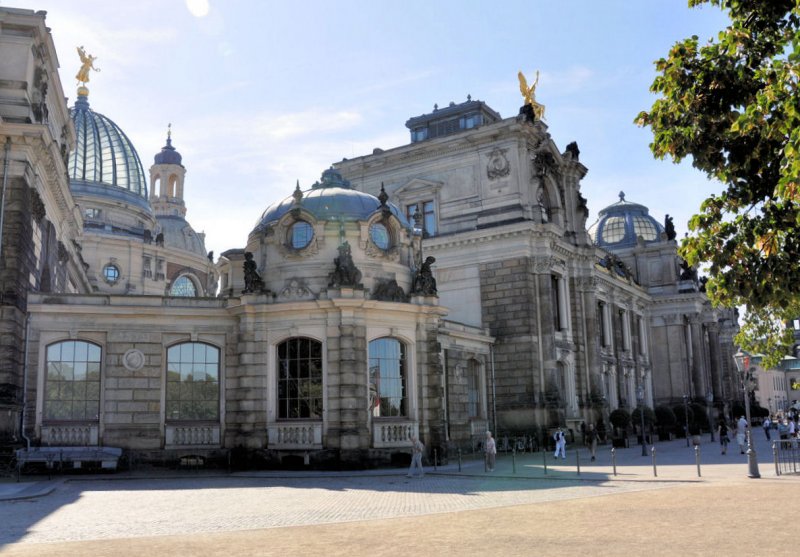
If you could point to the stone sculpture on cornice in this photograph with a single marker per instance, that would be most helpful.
(529, 96)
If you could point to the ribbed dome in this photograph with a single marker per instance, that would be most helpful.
(330, 199)
(179, 234)
(168, 154)
(103, 154)
(619, 225)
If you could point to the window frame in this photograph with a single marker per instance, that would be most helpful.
(70, 385)
(400, 379)
(315, 405)
(182, 386)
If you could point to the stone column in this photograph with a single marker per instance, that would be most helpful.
(714, 359)
(697, 361)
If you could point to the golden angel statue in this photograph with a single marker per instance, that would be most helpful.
(529, 94)
(87, 63)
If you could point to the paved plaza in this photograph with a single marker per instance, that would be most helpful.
(288, 513)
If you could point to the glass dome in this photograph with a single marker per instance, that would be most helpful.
(103, 154)
(620, 224)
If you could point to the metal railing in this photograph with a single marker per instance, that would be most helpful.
(786, 453)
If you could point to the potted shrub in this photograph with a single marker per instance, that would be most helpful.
(649, 420)
(620, 418)
(666, 420)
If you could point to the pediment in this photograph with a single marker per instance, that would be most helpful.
(418, 186)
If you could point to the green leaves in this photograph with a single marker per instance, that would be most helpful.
(733, 105)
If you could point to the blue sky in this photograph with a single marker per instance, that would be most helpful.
(262, 94)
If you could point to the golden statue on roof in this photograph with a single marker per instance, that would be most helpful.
(529, 94)
(87, 63)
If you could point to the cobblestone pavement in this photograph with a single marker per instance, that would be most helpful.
(103, 509)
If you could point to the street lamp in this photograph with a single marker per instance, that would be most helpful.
(686, 416)
(640, 396)
(742, 362)
(710, 411)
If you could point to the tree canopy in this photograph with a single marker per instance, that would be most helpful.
(732, 106)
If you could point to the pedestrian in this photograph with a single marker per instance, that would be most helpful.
(591, 440)
(741, 433)
(417, 449)
(792, 429)
(722, 432)
(561, 443)
(583, 433)
(491, 451)
(766, 425)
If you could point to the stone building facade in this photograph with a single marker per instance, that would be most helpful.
(439, 289)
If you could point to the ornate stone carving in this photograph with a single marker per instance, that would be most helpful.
(252, 280)
(345, 273)
(616, 265)
(424, 283)
(295, 289)
(133, 359)
(572, 152)
(498, 166)
(544, 264)
(545, 163)
(388, 291)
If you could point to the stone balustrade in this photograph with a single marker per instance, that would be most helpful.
(70, 435)
(295, 435)
(393, 433)
(199, 435)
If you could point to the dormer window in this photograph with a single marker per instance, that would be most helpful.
(300, 234)
(379, 235)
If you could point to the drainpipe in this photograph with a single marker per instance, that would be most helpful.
(494, 391)
(3, 193)
(25, 381)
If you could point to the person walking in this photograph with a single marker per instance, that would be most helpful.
(741, 433)
(561, 444)
(722, 432)
(767, 424)
(417, 449)
(591, 440)
(490, 447)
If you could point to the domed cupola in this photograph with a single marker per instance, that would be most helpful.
(332, 198)
(103, 157)
(168, 154)
(619, 225)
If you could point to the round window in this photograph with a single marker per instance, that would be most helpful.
(301, 234)
(379, 235)
(111, 273)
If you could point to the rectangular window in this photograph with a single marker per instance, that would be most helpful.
(300, 379)
(555, 302)
(387, 378)
(428, 217)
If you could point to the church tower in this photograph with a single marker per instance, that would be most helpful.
(166, 181)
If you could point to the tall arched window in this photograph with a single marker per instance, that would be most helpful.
(300, 379)
(192, 382)
(72, 390)
(387, 377)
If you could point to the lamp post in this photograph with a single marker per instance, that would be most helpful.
(742, 362)
(686, 416)
(710, 411)
(640, 396)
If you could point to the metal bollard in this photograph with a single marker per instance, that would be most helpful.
(459, 459)
(435, 459)
(514, 461)
(653, 452)
(775, 458)
(578, 461)
(697, 458)
(544, 461)
(614, 459)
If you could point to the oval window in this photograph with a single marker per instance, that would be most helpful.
(379, 235)
(111, 273)
(301, 234)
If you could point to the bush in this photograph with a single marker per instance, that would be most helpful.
(649, 416)
(620, 418)
(680, 417)
(700, 415)
(665, 417)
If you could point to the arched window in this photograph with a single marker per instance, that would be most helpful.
(387, 377)
(72, 390)
(183, 286)
(379, 235)
(192, 382)
(300, 379)
(473, 389)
